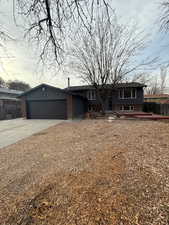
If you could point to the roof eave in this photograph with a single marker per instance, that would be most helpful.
(85, 88)
(41, 85)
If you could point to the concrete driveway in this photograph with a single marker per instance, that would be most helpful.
(14, 130)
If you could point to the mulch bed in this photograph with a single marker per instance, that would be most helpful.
(98, 172)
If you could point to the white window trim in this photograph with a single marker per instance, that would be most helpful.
(131, 94)
(130, 106)
(90, 95)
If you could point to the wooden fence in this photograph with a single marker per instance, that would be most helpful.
(10, 109)
(157, 108)
(164, 109)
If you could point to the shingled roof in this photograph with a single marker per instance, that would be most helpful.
(10, 91)
(120, 85)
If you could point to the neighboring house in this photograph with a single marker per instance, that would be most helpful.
(10, 105)
(160, 98)
(47, 102)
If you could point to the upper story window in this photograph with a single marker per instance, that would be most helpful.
(91, 95)
(127, 93)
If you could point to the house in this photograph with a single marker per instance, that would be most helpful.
(10, 105)
(158, 98)
(48, 102)
(124, 97)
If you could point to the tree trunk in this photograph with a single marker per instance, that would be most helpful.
(101, 97)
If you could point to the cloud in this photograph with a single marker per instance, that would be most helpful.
(142, 11)
(24, 64)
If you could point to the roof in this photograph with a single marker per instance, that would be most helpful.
(120, 85)
(157, 96)
(39, 86)
(49, 86)
(9, 98)
(10, 91)
(76, 88)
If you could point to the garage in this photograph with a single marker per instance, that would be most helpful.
(48, 102)
(44, 102)
(49, 109)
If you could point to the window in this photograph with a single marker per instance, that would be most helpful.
(126, 107)
(89, 108)
(127, 93)
(91, 95)
(121, 108)
(132, 108)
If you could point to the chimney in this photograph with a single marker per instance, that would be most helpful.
(68, 81)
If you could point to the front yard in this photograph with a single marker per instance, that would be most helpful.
(92, 172)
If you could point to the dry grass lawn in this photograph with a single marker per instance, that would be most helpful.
(92, 172)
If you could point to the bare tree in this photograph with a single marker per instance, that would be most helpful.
(4, 38)
(109, 55)
(163, 79)
(165, 15)
(157, 84)
(50, 22)
(153, 87)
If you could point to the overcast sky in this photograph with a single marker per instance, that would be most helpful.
(22, 61)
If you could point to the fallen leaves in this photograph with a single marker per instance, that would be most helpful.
(91, 173)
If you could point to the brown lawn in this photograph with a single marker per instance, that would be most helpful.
(92, 172)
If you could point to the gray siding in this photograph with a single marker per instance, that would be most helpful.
(46, 93)
(138, 100)
(82, 93)
(45, 102)
(115, 97)
(79, 107)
